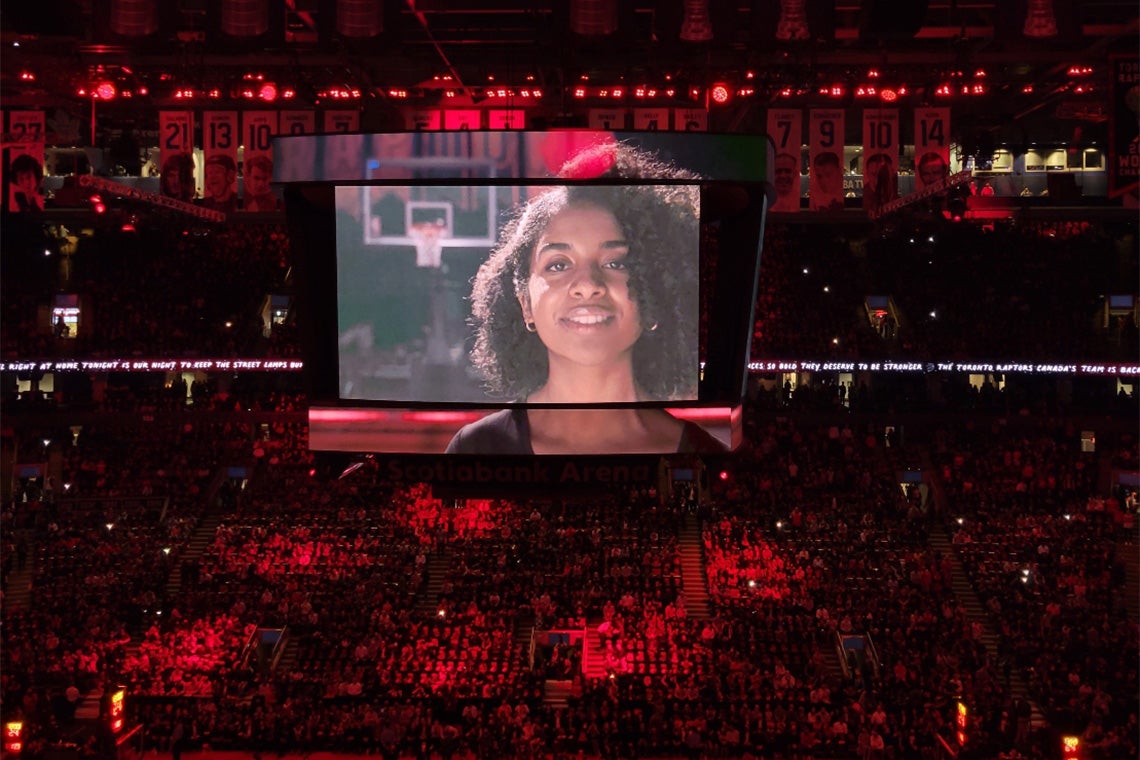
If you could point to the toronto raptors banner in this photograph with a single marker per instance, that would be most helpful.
(825, 147)
(931, 146)
(880, 157)
(785, 128)
(297, 122)
(1124, 127)
(24, 161)
(176, 151)
(342, 121)
(219, 147)
(258, 129)
(607, 119)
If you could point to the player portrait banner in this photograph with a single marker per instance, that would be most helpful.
(296, 122)
(1124, 127)
(342, 121)
(220, 139)
(258, 128)
(931, 146)
(24, 167)
(651, 119)
(690, 120)
(607, 118)
(880, 157)
(785, 128)
(176, 152)
(462, 119)
(506, 118)
(423, 119)
(825, 150)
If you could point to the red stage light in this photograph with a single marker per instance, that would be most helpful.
(579, 92)
(720, 93)
(105, 91)
(268, 92)
(888, 95)
(724, 474)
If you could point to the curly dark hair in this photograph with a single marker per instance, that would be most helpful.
(656, 219)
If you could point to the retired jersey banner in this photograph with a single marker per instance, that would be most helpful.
(297, 122)
(24, 164)
(421, 119)
(825, 149)
(462, 119)
(220, 147)
(342, 121)
(506, 118)
(258, 129)
(690, 120)
(931, 146)
(1124, 127)
(880, 157)
(607, 118)
(176, 151)
(785, 128)
(650, 119)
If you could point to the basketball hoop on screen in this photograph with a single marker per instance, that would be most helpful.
(426, 236)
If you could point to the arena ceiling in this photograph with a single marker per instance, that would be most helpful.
(437, 52)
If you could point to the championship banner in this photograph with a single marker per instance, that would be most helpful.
(785, 128)
(24, 164)
(931, 146)
(176, 151)
(258, 129)
(342, 121)
(220, 139)
(690, 120)
(607, 119)
(880, 157)
(825, 148)
(1124, 127)
(462, 119)
(651, 119)
(297, 122)
(506, 118)
(421, 119)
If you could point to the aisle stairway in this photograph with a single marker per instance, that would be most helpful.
(18, 593)
(1128, 551)
(593, 653)
(438, 565)
(201, 539)
(976, 612)
(693, 580)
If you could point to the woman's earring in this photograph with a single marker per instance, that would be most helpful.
(530, 327)
(652, 327)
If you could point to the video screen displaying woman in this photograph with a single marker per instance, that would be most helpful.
(590, 295)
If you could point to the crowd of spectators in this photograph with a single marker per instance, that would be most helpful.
(810, 541)
(185, 516)
(1041, 547)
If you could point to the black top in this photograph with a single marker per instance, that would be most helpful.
(508, 433)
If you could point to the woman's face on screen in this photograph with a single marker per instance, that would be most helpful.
(578, 290)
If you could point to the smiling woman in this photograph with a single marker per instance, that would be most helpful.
(591, 297)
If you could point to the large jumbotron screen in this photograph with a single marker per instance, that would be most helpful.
(458, 307)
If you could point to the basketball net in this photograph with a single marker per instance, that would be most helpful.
(429, 249)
